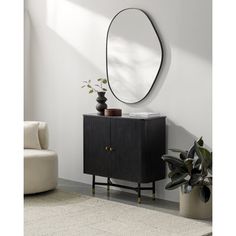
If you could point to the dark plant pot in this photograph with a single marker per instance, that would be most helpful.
(101, 106)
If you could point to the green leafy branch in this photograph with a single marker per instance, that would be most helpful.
(98, 87)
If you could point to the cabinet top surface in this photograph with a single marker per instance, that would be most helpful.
(127, 116)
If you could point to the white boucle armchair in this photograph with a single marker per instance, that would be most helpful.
(40, 164)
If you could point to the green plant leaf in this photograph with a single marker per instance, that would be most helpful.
(172, 173)
(205, 158)
(199, 153)
(171, 166)
(195, 179)
(89, 86)
(83, 86)
(183, 155)
(176, 150)
(192, 150)
(178, 177)
(205, 193)
(104, 89)
(104, 81)
(176, 171)
(197, 163)
(196, 171)
(210, 170)
(200, 142)
(100, 79)
(175, 185)
(209, 180)
(173, 160)
(91, 91)
(189, 164)
(175, 164)
(206, 183)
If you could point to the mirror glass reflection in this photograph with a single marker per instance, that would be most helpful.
(134, 55)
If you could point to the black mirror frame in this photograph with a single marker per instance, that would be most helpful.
(162, 54)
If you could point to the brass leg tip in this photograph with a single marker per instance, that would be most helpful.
(153, 197)
(139, 200)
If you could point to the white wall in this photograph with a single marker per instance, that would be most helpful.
(27, 80)
(68, 46)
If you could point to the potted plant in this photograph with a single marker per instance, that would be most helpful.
(192, 171)
(100, 90)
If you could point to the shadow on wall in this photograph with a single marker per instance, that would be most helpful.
(178, 137)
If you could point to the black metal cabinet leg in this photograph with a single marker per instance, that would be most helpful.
(138, 189)
(93, 185)
(153, 190)
(108, 185)
(139, 193)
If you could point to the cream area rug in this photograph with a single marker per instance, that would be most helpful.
(61, 213)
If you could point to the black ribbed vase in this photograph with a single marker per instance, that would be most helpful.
(101, 106)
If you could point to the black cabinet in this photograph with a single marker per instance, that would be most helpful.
(125, 148)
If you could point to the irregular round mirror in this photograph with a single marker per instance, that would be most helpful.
(133, 55)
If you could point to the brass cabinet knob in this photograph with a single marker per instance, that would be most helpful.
(108, 149)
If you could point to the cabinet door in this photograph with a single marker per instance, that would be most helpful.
(126, 141)
(96, 138)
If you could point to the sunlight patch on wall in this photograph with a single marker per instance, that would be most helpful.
(72, 22)
(132, 68)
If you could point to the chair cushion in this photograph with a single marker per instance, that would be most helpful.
(34, 153)
(31, 137)
(40, 170)
(43, 134)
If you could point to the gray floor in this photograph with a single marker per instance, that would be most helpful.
(119, 196)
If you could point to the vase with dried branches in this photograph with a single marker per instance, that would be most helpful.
(98, 88)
